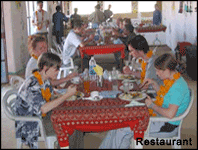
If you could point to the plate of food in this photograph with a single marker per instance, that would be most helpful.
(132, 96)
(125, 76)
(77, 96)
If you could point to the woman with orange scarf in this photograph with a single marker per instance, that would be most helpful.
(35, 98)
(138, 47)
(172, 100)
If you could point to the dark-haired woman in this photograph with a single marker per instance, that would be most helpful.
(34, 98)
(138, 48)
(172, 100)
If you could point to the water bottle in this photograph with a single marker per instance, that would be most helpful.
(92, 73)
(114, 79)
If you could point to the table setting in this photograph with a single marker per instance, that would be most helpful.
(100, 108)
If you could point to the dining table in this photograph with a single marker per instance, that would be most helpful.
(102, 49)
(98, 116)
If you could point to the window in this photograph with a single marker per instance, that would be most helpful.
(118, 7)
(84, 8)
(145, 6)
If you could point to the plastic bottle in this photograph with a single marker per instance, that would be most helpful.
(92, 73)
(114, 80)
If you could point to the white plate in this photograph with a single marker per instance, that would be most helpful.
(129, 97)
(75, 80)
(74, 97)
(92, 99)
(130, 87)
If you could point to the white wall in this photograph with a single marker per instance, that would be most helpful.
(179, 23)
(16, 36)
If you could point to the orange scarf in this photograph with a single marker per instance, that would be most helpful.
(163, 91)
(143, 65)
(39, 27)
(45, 93)
(36, 57)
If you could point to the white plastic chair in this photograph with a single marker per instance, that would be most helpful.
(16, 81)
(7, 101)
(164, 119)
(65, 67)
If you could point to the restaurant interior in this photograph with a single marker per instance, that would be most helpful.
(179, 26)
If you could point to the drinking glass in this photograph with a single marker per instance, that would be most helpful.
(86, 84)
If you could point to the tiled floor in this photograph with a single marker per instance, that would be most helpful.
(92, 141)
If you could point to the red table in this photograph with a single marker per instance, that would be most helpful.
(99, 116)
(103, 49)
(150, 29)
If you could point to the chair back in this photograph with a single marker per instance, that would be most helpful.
(190, 104)
(7, 102)
(16, 81)
(182, 49)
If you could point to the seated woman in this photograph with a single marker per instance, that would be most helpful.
(172, 99)
(35, 98)
(37, 45)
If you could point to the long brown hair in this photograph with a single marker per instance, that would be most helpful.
(168, 61)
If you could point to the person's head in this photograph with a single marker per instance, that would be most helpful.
(50, 64)
(40, 5)
(126, 21)
(165, 65)
(77, 26)
(128, 28)
(58, 8)
(138, 46)
(37, 45)
(109, 7)
(75, 10)
(118, 21)
(97, 6)
(156, 7)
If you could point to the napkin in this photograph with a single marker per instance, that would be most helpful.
(109, 94)
(134, 103)
(99, 70)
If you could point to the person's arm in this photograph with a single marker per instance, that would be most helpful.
(91, 37)
(54, 103)
(33, 20)
(65, 18)
(148, 81)
(136, 73)
(160, 18)
(62, 80)
(169, 112)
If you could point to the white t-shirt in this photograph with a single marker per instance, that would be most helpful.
(45, 18)
(71, 43)
(31, 65)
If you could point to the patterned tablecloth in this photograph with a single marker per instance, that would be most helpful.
(98, 116)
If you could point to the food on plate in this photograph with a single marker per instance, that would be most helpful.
(129, 77)
(78, 95)
(131, 95)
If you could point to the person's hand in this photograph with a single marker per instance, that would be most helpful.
(148, 101)
(72, 75)
(91, 37)
(71, 90)
(126, 70)
(148, 82)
